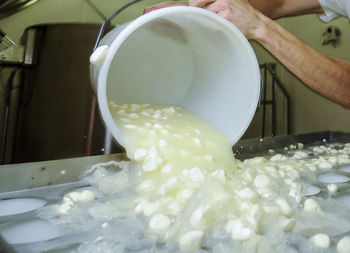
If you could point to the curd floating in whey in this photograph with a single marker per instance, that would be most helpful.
(183, 190)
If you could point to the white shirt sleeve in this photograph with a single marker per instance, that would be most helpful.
(334, 8)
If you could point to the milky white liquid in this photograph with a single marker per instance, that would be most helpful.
(182, 139)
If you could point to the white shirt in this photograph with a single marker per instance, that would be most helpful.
(334, 8)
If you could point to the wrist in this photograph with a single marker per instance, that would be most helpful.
(260, 32)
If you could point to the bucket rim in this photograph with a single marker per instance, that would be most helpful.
(144, 19)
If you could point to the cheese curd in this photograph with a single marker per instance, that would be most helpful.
(321, 240)
(343, 245)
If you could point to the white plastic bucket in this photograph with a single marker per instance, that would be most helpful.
(183, 56)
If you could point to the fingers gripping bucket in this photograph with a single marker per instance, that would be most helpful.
(182, 56)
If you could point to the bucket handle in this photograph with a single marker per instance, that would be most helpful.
(109, 19)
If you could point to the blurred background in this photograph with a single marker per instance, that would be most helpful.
(47, 106)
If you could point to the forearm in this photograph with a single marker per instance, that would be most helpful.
(284, 8)
(328, 76)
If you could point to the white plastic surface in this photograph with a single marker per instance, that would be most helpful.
(30, 231)
(184, 56)
(20, 205)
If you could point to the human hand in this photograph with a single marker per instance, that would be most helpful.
(239, 12)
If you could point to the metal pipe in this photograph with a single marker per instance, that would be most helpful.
(274, 123)
(14, 83)
(264, 101)
(270, 68)
(3, 115)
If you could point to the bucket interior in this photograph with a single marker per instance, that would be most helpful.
(193, 58)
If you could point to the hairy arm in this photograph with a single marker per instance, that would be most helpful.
(284, 8)
(326, 75)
